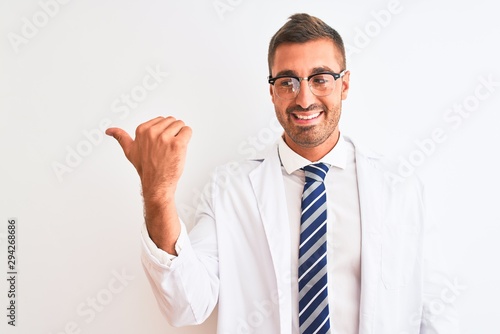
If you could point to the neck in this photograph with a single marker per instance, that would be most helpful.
(317, 152)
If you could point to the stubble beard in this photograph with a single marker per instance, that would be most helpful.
(314, 135)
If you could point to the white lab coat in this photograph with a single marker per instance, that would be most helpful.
(238, 255)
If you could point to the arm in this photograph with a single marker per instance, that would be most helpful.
(186, 288)
(158, 154)
(440, 289)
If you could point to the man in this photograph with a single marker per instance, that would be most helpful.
(311, 238)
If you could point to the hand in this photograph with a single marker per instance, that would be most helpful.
(158, 153)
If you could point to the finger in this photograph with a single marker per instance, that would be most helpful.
(122, 137)
(174, 128)
(146, 126)
(185, 134)
(168, 127)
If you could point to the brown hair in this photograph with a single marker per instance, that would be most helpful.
(301, 28)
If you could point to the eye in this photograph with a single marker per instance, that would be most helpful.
(285, 83)
(321, 80)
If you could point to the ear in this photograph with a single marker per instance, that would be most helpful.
(345, 84)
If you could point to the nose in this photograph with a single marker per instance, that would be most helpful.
(305, 97)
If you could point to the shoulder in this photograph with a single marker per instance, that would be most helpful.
(394, 175)
(368, 157)
(244, 167)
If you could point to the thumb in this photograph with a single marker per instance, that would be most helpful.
(122, 137)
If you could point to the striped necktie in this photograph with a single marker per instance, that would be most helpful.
(314, 315)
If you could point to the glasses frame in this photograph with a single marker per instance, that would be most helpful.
(336, 76)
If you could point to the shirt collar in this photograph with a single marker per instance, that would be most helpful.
(292, 161)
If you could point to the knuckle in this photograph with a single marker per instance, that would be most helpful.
(178, 145)
(139, 131)
(150, 132)
(165, 137)
(180, 123)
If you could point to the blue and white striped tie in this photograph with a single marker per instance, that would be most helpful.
(314, 315)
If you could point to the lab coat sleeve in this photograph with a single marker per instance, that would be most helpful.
(186, 287)
(158, 253)
(440, 289)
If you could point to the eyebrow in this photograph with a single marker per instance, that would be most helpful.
(287, 73)
(314, 71)
(322, 69)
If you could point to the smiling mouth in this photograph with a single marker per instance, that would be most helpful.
(307, 117)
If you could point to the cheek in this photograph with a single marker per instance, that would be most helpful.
(280, 106)
(280, 112)
(331, 102)
(326, 102)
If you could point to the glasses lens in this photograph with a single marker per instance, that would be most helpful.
(322, 84)
(287, 88)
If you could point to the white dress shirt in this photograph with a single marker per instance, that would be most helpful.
(343, 231)
(343, 238)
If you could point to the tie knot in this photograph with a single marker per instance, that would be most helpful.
(316, 172)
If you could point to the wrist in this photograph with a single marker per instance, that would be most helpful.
(158, 195)
(163, 239)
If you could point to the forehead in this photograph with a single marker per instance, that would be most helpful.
(302, 58)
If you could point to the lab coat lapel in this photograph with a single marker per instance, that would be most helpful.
(268, 186)
(371, 199)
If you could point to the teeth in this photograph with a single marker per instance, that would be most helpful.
(307, 117)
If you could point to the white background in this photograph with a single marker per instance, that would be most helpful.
(79, 227)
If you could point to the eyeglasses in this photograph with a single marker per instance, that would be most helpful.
(321, 84)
